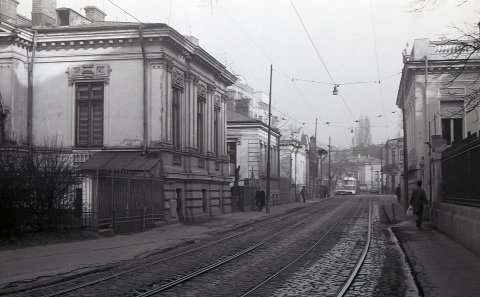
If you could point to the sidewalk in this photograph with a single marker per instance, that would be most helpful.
(441, 266)
(78, 257)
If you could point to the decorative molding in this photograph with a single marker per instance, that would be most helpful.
(178, 79)
(195, 79)
(217, 101)
(169, 65)
(89, 71)
(211, 89)
(202, 91)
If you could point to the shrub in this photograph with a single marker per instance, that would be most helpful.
(36, 189)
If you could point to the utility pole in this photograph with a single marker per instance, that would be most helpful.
(315, 158)
(329, 167)
(267, 208)
(426, 137)
(381, 168)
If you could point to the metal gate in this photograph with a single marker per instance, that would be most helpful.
(129, 204)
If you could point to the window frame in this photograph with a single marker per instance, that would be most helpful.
(201, 124)
(216, 130)
(176, 123)
(90, 102)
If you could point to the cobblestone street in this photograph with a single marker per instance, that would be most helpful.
(331, 234)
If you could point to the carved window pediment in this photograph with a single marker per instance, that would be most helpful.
(89, 72)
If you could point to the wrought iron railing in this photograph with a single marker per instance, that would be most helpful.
(461, 172)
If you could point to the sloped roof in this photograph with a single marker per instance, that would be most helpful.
(120, 161)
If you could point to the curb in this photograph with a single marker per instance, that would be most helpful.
(415, 270)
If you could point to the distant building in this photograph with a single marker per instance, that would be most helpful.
(393, 166)
(247, 140)
(293, 168)
(243, 99)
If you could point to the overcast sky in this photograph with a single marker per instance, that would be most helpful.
(351, 36)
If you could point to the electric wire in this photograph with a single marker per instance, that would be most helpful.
(372, 18)
(320, 57)
(280, 71)
(276, 66)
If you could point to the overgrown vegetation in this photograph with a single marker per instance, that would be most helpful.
(37, 190)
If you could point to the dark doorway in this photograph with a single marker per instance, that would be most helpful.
(179, 205)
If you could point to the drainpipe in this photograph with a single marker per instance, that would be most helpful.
(30, 91)
(144, 93)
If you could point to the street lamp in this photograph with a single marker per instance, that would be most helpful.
(335, 89)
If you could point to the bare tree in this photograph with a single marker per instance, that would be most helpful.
(421, 5)
(463, 51)
(363, 135)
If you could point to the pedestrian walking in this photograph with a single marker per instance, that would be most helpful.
(417, 201)
(260, 198)
(303, 193)
(398, 193)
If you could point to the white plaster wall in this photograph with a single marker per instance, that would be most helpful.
(54, 104)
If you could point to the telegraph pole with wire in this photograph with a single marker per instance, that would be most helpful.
(267, 208)
(315, 158)
(329, 167)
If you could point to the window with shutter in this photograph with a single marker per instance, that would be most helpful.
(89, 114)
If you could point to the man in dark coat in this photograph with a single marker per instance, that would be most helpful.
(260, 198)
(417, 201)
(303, 193)
(398, 193)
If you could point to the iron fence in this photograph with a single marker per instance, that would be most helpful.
(461, 172)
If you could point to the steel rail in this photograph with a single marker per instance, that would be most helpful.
(118, 274)
(296, 259)
(216, 264)
(343, 290)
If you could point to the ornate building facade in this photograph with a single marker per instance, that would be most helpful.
(125, 99)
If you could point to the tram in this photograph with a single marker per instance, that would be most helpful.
(349, 186)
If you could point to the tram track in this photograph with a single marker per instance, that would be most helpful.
(344, 288)
(160, 289)
(98, 280)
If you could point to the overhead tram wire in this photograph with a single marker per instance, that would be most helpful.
(126, 12)
(347, 83)
(320, 57)
(376, 60)
(253, 42)
(276, 68)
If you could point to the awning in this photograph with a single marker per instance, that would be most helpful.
(120, 161)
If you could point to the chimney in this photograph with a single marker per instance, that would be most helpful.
(8, 11)
(44, 13)
(94, 14)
